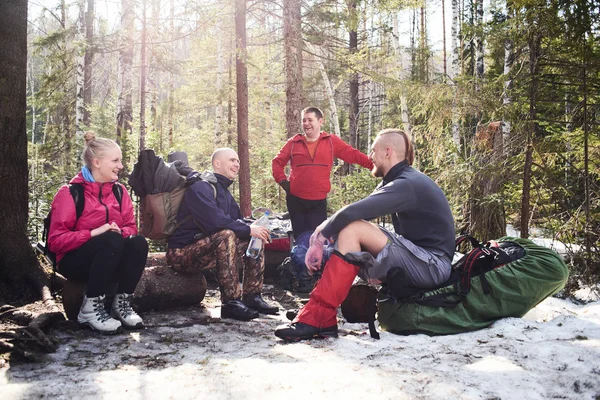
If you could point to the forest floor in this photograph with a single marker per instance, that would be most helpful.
(190, 353)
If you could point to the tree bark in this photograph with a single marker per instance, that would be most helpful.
(478, 73)
(401, 75)
(353, 84)
(534, 43)
(444, 40)
(171, 110)
(143, 80)
(80, 71)
(292, 37)
(88, 75)
(125, 103)
(153, 77)
(21, 278)
(221, 37)
(241, 73)
(456, 55)
(506, 96)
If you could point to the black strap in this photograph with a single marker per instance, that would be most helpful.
(371, 310)
(76, 190)
(118, 193)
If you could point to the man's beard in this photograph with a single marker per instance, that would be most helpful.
(376, 172)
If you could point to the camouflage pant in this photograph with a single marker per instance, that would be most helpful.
(227, 254)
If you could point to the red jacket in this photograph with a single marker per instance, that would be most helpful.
(67, 233)
(309, 177)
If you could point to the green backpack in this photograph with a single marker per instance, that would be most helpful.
(487, 284)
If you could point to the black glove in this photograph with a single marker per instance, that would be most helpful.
(285, 184)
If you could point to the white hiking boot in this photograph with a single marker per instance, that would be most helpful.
(122, 310)
(93, 314)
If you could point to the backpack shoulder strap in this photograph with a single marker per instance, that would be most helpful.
(76, 190)
(212, 184)
(118, 192)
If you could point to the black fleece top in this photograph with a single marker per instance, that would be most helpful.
(201, 212)
(420, 211)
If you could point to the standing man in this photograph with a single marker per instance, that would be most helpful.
(420, 248)
(211, 234)
(311, 156)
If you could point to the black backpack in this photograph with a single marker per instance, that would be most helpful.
(76, 190)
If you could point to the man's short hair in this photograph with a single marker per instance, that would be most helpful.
(409, 154)
(218, 151)
(311, 109)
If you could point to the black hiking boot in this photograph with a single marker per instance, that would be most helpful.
(235, 309)
(257, 303)
(291, 314)
(297, 331)
(304, 286)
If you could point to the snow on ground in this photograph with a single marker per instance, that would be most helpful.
(552, 352)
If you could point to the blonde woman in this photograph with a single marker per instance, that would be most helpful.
(102, 245)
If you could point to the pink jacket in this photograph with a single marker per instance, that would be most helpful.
(67, 233)
(309, 177)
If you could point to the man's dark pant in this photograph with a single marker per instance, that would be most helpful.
(305, 215)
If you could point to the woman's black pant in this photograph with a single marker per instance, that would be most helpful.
(105, 259)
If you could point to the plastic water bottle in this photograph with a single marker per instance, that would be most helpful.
(256, 244)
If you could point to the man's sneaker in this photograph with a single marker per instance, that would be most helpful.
(122, 310)
(236, 309)
(297, 331)
(93, 314)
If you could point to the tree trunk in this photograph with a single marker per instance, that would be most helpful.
(125, 103)
(80, 71)
(292, 37)
(486, 215)
(401, 75)
(88, 61)
(424, 62)
(171, 110)
(221, 37)
(506, 97)
(153, 77)
(143, 69)
(455, 73)
(444, 40)
(230, 98)
(354, 108)
(534, 43)
(353, 84)
(241, 73)
(19, 270)
(478, 73)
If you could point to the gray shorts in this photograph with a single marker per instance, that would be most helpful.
(424, 268)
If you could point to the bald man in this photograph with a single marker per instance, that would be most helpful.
(212, 234)
(420, 248)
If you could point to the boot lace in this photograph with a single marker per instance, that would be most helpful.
(100, 310)
(124, 307)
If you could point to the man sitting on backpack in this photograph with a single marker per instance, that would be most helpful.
(421, 247)
(211, 234)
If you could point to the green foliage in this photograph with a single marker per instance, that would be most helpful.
(346, 189)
